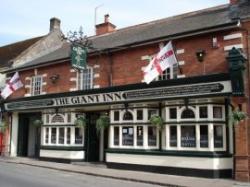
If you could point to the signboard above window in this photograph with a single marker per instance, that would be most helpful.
(78, 57)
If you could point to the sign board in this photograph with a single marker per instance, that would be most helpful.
(139, 95)
(78, 57)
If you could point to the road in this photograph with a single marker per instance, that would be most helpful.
(17, 175)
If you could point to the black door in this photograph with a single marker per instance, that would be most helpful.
(24, 124)
(92, 138)
(23, 135)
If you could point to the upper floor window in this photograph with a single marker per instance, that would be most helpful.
(36, 85)
(169, 73)
(85, 79)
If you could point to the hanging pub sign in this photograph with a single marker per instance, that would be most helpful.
(78, 57)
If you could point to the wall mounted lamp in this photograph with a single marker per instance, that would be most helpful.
(200, 54)
(54, 78)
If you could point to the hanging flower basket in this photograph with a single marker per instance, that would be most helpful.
(37, 122)
(80, 122)
(237, 116)
(157, 121)
(102, 122)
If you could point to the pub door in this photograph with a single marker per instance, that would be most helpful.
(92, 138)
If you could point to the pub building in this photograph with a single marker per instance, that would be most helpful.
(195, 99)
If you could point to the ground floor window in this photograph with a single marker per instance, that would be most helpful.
(63, 136)
(196, 136)
(139, 136)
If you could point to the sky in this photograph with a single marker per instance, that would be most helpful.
(24, 19)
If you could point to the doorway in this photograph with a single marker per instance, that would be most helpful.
(92, 138)
(28, 135)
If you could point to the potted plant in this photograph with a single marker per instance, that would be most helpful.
(237, 116)
(102, 123)
(80, 121)
(37, 122)
(157, 121)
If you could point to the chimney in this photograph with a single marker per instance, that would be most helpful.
(54, 24)
(105, 27)
(233, 2)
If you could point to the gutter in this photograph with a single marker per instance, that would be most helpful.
(202, 31)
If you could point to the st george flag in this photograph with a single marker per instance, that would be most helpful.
(164, 59)
(13, 85)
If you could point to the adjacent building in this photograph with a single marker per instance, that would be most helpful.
(195, 98)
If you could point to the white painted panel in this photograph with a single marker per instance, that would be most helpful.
(180, 51)
(233, 36)
(62, 154)
(229, 47)
(171, 161)
(14, 134)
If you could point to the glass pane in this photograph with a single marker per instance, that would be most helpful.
(47, 135)
(152, 132)
(128, 116)
(61, 136)
(151, 113)
(203, 136)
(173, 136)
(139, 135)
(116, 135)
(78, 135)
(172, 113)
(116, 115)
(187, 114)
(127, 136)
(53, 135)
(203, 112)
(217, 112)
(218, 136)
(139, 114)
(188, 138)
(68, 135)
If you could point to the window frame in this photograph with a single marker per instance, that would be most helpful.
(80, 79)
(33, 85)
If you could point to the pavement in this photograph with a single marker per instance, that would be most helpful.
(135, 176)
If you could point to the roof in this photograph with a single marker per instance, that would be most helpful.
(168, 28)
(11, 51)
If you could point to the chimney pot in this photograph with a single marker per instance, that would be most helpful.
(54, 24)
(106, 18)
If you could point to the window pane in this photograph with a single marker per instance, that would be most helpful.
(188, 138)
(128, 116)
(151, 113)
(53, 135)
(116, 135)
(217, 112)
(218, 136)
(152, 132)
(78, 135)
(172, 113)
(127, 136)
(139, 114)
(187, 114)
(116, 115)
(47, 135)
(36, 85)
(61, 136)
(173, 136)
(140, 135)
(85, 79)
(68, 135)
(203, 136)
(203, 112)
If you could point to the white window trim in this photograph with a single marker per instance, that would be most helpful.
(80, 80)
(32, 85)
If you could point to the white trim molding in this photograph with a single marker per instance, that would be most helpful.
(96, 75)
(181, 63)
(96, 66)
(27, 78)
(237, 46)
(73, 89)
(96, 86)
(180, 51)
(232, 36)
